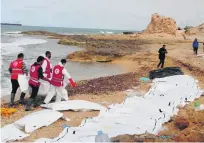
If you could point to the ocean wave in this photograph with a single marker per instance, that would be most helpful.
(15, 47)
(5, 86)
(13, 32)
(23, 42)
(106, 32)
(7, 51)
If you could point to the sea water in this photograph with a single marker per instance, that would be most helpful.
(12, 43)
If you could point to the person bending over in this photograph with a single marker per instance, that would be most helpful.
(36, 73)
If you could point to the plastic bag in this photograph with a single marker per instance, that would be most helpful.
(23, 82)
(168, 71)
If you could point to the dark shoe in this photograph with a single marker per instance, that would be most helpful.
(36, 104)
(22, 101)
(28, 104)
(12, 100)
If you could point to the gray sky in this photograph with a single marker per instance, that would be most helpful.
(103, 14)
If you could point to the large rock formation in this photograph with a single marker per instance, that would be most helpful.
(195, 30)
(161, 24)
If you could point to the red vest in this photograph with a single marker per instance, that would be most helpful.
(57, 77)
(48, 68)
(34, 77)
(16, 67)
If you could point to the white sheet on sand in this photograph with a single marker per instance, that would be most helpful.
(200, 55)
(11, 133)
(37, 120)
(43, 118)
(136, 115)
(75, 105)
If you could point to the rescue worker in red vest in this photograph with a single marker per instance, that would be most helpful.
(16, 68)
(46, 66)
(36, 73)
(57, 83)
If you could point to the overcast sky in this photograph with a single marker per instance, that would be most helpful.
(103, 14)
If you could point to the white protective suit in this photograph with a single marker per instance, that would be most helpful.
(45, 85)
(60, 92)
(44, 65)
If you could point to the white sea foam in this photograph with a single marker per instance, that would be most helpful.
(106, 32)
(15, 47)
(109, 32)
(13, 32)
(5, 88)
(102, 32)
(23, 42)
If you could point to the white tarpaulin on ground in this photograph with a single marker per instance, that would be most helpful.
(37, 120)
(75, 105)
(200, 55)
(136, 115)
(11, 133)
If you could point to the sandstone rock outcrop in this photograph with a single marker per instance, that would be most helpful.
(161, 24)
(195, 30)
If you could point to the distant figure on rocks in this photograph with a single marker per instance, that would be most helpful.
(17, 67)
(46, 66)
(57, 86)
(162, 54)
(195, 46)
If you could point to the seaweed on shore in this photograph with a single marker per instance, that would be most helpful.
(108, 84)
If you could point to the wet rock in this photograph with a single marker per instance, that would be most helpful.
(181, 123)
(128, 32)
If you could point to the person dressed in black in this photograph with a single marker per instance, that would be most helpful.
(36, 73)
(162, 54)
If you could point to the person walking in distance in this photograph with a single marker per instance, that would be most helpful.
(36, 73)
(46, 66)
(17, 67)
(57, 83)
(195, 46)
(162, 54)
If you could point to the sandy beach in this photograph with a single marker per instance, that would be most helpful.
(138, 55)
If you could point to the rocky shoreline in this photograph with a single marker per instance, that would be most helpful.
(105, 48)
(137, 53)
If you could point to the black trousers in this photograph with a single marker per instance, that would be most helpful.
(195, 50)
(15, 85)
(161, 62)
(34, 92)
